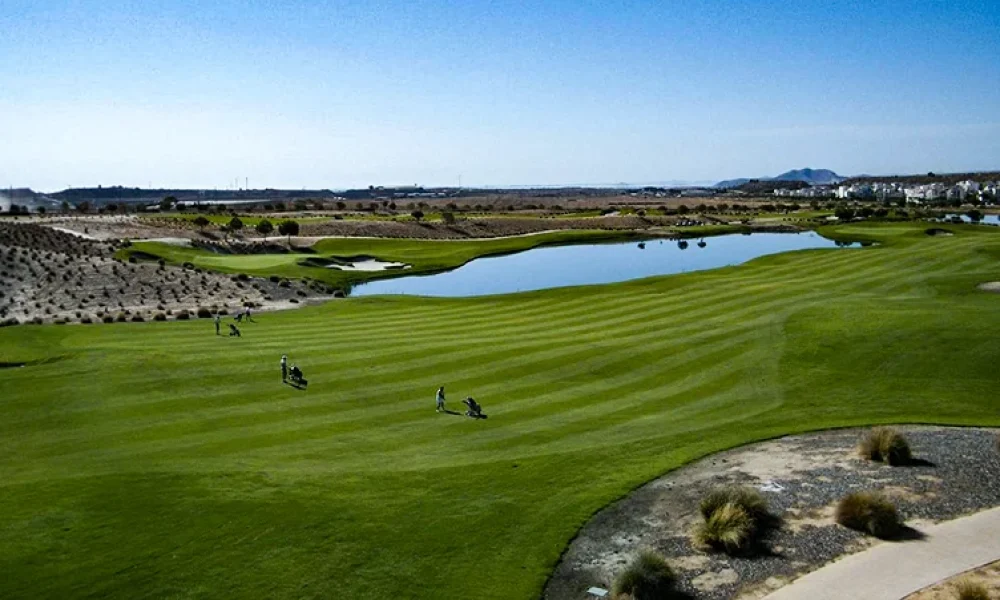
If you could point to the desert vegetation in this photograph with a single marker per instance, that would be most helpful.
(733, 518)
(885, 444)
(52, 276)
(647, 577)
(869, 512)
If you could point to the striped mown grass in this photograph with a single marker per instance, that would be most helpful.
(158, 460)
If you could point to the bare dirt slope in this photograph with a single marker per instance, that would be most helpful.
(52, 276)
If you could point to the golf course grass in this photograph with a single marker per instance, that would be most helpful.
(423, 256)
(156, 460)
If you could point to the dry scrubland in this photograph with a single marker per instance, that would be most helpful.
(51, 276)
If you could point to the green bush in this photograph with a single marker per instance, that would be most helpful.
(183, 315)
(157, 317)
(648, 577)
(967, 589)
(204, 313)
(747, 498)
(729, 528)
(887, 445)
(870, 513)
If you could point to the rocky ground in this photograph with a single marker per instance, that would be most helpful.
(50, 276)
(802, 477)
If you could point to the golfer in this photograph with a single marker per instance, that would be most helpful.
(440, 399)
(284, 368)
(218, 323)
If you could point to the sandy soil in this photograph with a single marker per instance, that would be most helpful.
(370, 265)
(987, 575)
(50, 276)
(802, 477)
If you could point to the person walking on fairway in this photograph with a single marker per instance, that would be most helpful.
(440, 399)
(218, 323)
(284, 368)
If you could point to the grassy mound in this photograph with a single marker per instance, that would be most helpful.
(887, 445)
(870, 513)
(647, 577)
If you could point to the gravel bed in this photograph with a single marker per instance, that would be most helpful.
(957, 472)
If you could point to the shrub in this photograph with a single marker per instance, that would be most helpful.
(121, 318)
(729, 528)
(204, 313)
(274, 279)
(242, 277)
(887, 445)
(86, 320)
(157, 317)
(108, 319)
(747, 498)
(870, 513)
(967, 589)
(183, 315)
(648, 577)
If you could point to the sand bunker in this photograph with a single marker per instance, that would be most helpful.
(78, 234)
(990, 286)
(370, 265)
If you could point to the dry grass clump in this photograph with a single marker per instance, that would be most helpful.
(887, 445)
(648, 577)
(968, 589)
(869, 512)
(733, 516)
(747, 498)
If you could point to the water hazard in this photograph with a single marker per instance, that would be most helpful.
(587, 264)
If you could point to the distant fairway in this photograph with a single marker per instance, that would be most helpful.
(155, 460)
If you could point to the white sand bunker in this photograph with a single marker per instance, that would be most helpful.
(78, 234)
(990, 286)
(370, 264)
(173, 241)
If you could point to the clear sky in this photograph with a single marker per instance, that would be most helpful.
(189, 93)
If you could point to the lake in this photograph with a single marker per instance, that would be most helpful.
(588, 264)
(991, 219)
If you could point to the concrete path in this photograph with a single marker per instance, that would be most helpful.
(892, 570)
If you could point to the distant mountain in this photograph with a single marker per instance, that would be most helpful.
(810, 176)
(732, 183)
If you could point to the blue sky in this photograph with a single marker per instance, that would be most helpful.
(340, 94)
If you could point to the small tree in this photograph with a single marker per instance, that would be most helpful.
(341, 205)
(201, 222)
(288, 228)
(235, 225)
(264, 227)
(417, 215)
(167, 202)
(448, 217)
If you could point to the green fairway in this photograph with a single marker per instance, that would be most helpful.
(156, 460)
(424, 256)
